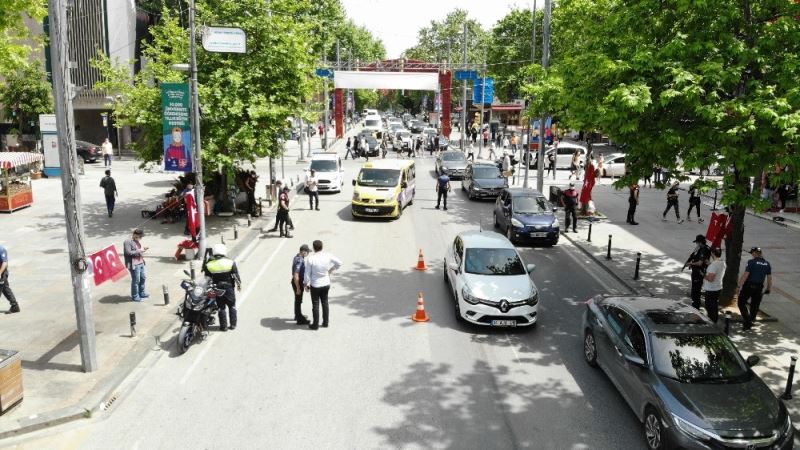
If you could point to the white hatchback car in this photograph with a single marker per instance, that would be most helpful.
(490, 284)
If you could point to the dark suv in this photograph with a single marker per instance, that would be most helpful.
(483, 179)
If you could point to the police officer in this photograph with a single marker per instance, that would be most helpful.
(222, 270)
(5, 289)
(298, 282)
(698, 261)
(442, 188)
(751, 286)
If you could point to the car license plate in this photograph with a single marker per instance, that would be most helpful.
(371, 210)
(538, 235)
(504, 323)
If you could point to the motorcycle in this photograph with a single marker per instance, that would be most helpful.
(197, 311)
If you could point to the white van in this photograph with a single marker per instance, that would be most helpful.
(373, 123)
(328, 169)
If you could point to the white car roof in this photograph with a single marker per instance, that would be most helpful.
(485, 239)
(330, 155)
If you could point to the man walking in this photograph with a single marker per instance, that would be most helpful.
(5, 288)
(224, 273)
(442, 188)
(569, 200)
(298, 283)
(551, 164)
(134, 261)
(349, 152)
(694, 200)
(751, 286)
(633, 201)
(698, 261)
(712, 283)
(283, 212)
(319, 268)
(250, 188)
(110, 190)
(312, 184)
(108, 152)
(672, 202)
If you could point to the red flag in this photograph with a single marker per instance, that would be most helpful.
(717, 227)
(192, 214)
(107, 265)
(588, 184)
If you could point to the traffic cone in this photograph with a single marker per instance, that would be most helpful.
(420, 315)
(421, 262)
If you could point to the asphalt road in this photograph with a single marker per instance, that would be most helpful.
(375, 379)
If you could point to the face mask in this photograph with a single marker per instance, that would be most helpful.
(177, 137)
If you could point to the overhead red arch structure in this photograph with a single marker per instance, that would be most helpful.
(406, 74)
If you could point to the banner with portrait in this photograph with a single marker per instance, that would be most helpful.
(177, 132)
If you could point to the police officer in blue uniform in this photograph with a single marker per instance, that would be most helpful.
(751, 286)
(222, 270)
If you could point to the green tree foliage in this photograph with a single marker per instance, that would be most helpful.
(509, 51)
(16, 42)
(24, 95)
(685, 81)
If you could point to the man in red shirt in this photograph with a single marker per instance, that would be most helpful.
(569, 200)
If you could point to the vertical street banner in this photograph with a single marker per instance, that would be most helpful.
(177, 132)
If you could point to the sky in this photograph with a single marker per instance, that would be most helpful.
(396, 22)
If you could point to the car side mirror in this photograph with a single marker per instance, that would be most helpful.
(354, 182)
(531, 267)
(635, 360)
(454, 267)
(752, 360)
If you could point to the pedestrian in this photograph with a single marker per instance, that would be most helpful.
(783, 195)
(712, 283)
(569, 200)
(633, 202)
(647, 180)
(574, 165)
(492, 154)
(694, 200)
(223, 272)
(349, 152)
(418, 147)
(279, 190)
(471, 153)
(657, 174)
(319, 268)
(108, 152)
(442, 188)
(283, 212)
(474, 133)
(506, 143)
(298, 283)
(551, 164)
(751, 286)
(356, 148)
(364, 147)
(506, 166)
(321, 130)
(134, 261)
(250, 189)
(672, 202)
(698, 261)
(485, 137)
(110, 191)
(436, 143)
(312, 186)
(514, 142)
(5, 288)
(601, 162)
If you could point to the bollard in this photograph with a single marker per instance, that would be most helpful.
(191, 269)
(714, 208)
(222, 239)
(727, 322)
(166, 294)
(638, 261)
(248, 221)
(589, 238)
(235, 233)
(787, 393)
(608, 253)
(132, 318)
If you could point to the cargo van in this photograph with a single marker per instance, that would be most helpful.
(329, 171)
(383, 188)
(373, 123)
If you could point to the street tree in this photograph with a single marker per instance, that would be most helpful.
(24, 95)
(16, 40)
(685, 85)
(509, 51)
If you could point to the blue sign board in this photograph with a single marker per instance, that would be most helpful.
(325, 73)
(481, 92)
(466, 75)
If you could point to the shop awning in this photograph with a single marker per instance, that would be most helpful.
(9, 160)
(511, 107)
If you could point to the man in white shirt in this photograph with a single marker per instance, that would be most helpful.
(313, 190)
(108, 152)
(317, 279)
(712, 283)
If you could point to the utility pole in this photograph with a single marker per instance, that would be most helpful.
(464, 96)
(198, 154)
(527, 158)
(324, 137)
(78, 265)
(449, 55)
(350, 100)
(545, 65)
(483, 101)
(338, 67)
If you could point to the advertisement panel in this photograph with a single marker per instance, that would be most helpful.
(176, 129)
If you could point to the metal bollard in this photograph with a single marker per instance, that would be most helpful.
(248, 220)
(589, 238)
(235, 233)
(222, 239)
(714, 208)
(132, 319)
(166, 294)
(191, 270)
(787, 393)
(608, 253)
(727, 322)
(638, 261)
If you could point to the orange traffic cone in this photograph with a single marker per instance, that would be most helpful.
(421, 262)
(420, 315)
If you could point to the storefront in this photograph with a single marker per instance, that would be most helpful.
(15, 179)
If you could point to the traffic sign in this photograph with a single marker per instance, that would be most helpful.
(325, 73)
(486, 92)
(466, 75)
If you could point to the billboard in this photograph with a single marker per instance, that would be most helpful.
(176, 128)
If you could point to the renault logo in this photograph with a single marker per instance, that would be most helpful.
(751, 447)
(504, 306)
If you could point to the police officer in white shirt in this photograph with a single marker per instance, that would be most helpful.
(319, 267)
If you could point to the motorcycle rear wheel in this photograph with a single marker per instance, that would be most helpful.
(185, 337)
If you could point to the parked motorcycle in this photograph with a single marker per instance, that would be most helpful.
(197, 311)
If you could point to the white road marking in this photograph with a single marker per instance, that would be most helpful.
(241, 302)
(516, 356)
(586, 264)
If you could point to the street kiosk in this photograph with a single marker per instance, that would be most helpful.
(15, 179)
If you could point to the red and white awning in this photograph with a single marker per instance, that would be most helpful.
(9, 160)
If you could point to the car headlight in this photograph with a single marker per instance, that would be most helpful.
(516, 223)
(555, 223)
(693, 430)
(533, 299)
(467, 296)
(197, 291)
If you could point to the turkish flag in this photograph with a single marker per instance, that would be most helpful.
(107, 265)
(717, 227)
(193, 216)
(588, 184)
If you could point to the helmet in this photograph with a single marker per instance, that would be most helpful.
(219, 250)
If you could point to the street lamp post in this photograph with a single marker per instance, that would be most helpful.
(198, 159)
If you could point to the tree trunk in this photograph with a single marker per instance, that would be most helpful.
(733, 252)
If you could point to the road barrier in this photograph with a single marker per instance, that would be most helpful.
(421, 262)
(420, 315)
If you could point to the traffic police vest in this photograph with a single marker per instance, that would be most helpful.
(221, 269)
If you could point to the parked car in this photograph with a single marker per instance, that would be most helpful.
(402, 140)
(682, 376)
(451, 163)
(563, 153)
(489, 282)
(613, 165)
(88, 151)
(373, 147)
(483, 179)
(526, 216)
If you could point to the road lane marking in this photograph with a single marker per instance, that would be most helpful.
(586, 265)
(516, 356)
(241, 302)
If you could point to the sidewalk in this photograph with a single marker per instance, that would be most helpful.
(55, 387)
